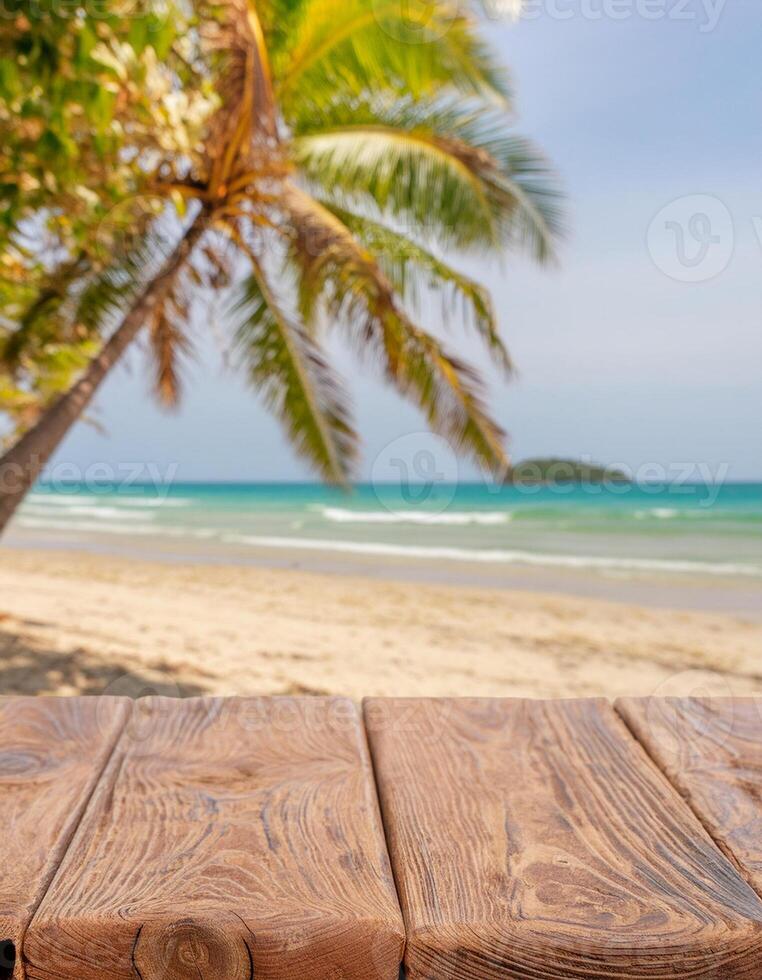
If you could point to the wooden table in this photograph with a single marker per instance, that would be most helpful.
(302, 839)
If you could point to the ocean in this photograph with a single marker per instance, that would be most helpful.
(695, 531)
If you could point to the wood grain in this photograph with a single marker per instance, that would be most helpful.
(52, 751)
(228, 839)
(711, 750)
(536, 840)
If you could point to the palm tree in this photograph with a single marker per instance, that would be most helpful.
(356, 144)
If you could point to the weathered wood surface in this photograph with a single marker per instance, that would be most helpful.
(711, 750)
(228, 839)
(536, 840)
(52, 752)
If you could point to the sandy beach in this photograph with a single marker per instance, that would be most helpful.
(77, 623)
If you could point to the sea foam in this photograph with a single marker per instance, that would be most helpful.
(496, 556)
(340, 515)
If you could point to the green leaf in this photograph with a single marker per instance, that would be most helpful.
(409, 266)
(342, 276)
(342, 49)
(286, 365)
(450, 171)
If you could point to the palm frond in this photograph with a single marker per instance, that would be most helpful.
(169, 343)
(409, 266)
(339, 50)
(287, 366)
(42, 319)
(110, 290)
(81, 299)
(102, 299)
(450, 170)
(341, 278)
(448, 390)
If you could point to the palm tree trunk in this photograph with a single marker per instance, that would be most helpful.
(23, 462)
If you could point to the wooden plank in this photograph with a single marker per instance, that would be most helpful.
(711, 750)
(229, 838)
(52, 751)
(536, 840)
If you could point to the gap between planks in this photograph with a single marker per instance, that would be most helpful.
(456, 928)
(16, 970)
(686, 798)
(20, 972)
(297, 808)
(629, 708)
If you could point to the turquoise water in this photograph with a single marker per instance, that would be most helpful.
(633, 530)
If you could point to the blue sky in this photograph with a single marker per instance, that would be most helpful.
(619, 360)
